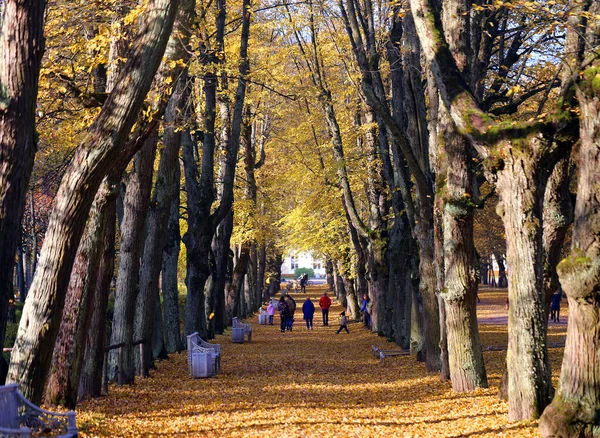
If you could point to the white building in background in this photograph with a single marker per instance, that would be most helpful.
(302, 260)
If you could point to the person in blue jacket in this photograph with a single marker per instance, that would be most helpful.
(308, 309)
(365, 308)
(555, 306)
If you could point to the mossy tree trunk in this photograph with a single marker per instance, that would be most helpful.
(574, 409)
(521, 186)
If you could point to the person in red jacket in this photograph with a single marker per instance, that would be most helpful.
(325, 304)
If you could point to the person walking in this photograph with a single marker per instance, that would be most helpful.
(303, 281)
(308, 309)
(365, 308)
(271, 312)
(343, 323)
(284, 313)
(292, 306)
(325, 304)
(555, 306)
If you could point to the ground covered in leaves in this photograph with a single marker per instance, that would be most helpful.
(313, 383)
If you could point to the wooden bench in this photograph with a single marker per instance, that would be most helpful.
(236, 324)
(196, 343)
(19, 417)
(382, 354)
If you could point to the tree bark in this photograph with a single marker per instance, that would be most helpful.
(102, 148)
(136, 202)
(170, 284)
(62, 387)
(21, 49)
(521, 187)
(558, 216)
(574, 409)
(90, 383)
(573, 412)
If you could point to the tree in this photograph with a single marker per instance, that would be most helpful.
(573, 411)
(21, 49)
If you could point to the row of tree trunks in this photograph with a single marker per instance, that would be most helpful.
(90, 382)
(522, 168)
(102, 148)
(62, 386)
(246, 260)
(136, 202)
(157, 221)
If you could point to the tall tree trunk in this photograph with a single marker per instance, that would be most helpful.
(170, 284)
(521, 187)
(34, 240)
(136, 202)
(262, 266)
(159, 350)
(329, 274)
(352, 304)
(237, 281)
(225, 299)
(21, 49)
(467, 370)
(90, 383)
(157, 219)
(200, 229)
(102, 148)
(28, 273)
(574, 409)
(222, 304)
(558, 216)
(62, 387)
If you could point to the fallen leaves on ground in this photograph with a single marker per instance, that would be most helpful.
(310, 383)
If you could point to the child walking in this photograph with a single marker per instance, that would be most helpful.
(271, 312)
(343, 323)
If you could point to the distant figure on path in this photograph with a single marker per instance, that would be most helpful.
(292, 306)
(555, 306)
(288, 286)
(296, 286)
(308, 309)
(365, 308)
(284, 313)
(303, 281)
(343, 323)
(271, 312)
(325, 304)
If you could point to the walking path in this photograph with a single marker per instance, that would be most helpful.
(305, 384)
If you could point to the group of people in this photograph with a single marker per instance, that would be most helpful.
(287, 307)
(298, 285)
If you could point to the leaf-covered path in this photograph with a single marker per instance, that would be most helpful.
(306, 383)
